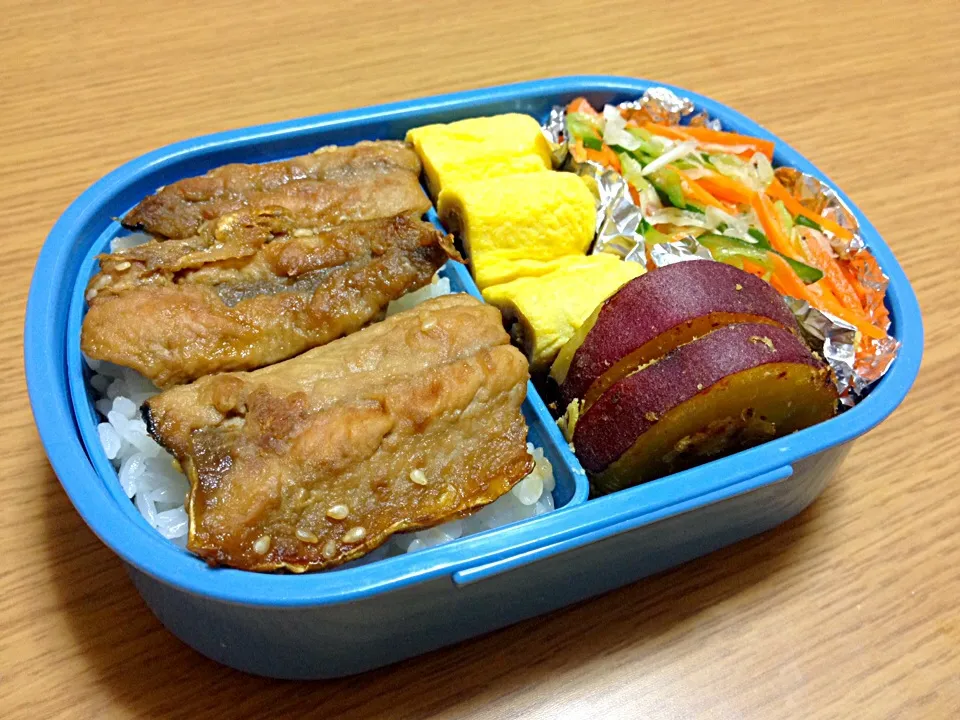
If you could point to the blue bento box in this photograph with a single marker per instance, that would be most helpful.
(346, 621)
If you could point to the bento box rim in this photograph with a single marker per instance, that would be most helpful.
(146, 550)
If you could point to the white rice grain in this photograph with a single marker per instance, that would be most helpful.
(172, 523)
(117, 388)
(147, 508)
(110, 440)
(128, 241)
(130, 471)
(100, 383)
(125, 406)
(103, 405)
(529, 490)
(437, 287)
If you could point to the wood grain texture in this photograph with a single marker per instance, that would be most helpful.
(849, 610)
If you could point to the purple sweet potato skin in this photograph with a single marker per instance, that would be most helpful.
(660, 300)
(631, 406)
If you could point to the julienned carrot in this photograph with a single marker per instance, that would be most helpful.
(864, 273)
(824, 300)
(605, 156)
(724, 188)
(754, 269)
(577, 150)
(851, 277)
(780, 193)
(668, 131)
(692, 188)
(581, 105)
(818, 253)
(771, 225)
(721, 137)
(786, 282)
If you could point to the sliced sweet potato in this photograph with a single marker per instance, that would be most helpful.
(733, 388)
(656, 313)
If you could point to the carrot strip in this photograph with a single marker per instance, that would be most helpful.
(724, 188)
(714, 137)
(818, 253)
(851, 275)
(605, 156)
(668, 131)
(860, 268)
(754, 269)
(825, 300)
(780, 193)
(771, 225)
(581, 105)
(578, 151)
(695, 191)
(721, 137)
(786, 282)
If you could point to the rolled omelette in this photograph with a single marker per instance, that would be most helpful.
(544, 312)
(514, 226)
(479, 148)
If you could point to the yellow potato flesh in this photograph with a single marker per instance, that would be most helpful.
(742, 410)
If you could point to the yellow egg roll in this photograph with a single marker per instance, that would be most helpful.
(544, 312)
(513, 224)
(479, 148)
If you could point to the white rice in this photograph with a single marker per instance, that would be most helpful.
(148, 474)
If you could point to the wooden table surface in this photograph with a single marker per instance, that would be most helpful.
(849, 610)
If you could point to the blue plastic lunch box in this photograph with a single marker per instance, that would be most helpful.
(346, 621)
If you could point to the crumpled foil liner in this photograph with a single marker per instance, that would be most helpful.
(823, 200)
(872, 365)
(853, 374)
(837, 342)
(686, 248)
(555, 130)
(661, 105)
(618, 231)
(618, 218)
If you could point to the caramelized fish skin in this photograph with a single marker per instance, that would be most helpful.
(310, 463)
(364, 181)
(252, 289)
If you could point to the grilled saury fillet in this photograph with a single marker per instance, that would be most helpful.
(253, 288)
(317, 460)
(364, 181)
